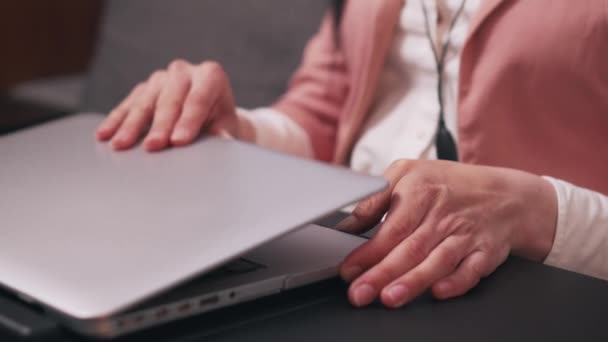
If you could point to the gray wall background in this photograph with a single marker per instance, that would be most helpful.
(259, 42)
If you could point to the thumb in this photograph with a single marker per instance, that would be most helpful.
(220, 132)
(369, 212)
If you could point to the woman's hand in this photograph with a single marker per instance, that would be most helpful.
(176, 104)
(448, 226)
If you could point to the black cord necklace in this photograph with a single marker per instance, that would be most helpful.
(444, 141)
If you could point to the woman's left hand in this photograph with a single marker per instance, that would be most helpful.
(448, 225)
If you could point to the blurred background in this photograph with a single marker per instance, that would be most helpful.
(63, 56)
(41, 40)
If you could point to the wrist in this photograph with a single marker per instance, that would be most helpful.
(535, 232)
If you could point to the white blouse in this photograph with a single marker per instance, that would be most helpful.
(406, 108)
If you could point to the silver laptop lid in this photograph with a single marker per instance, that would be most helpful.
(89, 232)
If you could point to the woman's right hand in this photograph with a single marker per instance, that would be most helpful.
(177, 104)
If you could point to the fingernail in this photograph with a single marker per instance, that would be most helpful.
(351, 273)
(151, 144)
(397, 294)
(224, 134)
(444, 287)
(363, 295)
(180, 135)
(347, 224)
(104, 130)
(154, 138)
(116, 143)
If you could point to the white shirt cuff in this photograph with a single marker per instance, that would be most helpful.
(277, 131)
(581, 237)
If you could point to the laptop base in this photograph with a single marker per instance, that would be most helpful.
(308, 255)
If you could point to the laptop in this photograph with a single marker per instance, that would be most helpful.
(108, 243)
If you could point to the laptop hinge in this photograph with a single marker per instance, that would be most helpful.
(306, 278)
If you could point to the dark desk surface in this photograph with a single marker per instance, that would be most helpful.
(522, 301)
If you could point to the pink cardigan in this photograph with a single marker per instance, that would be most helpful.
(533, 85)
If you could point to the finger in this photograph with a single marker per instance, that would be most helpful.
(205, 92)
(139, 115)
(220, 133)
(442, 261)
(400, 260)
(468, 274)
(110, 125)
(407, 213)
(169, 105)
(370, 211)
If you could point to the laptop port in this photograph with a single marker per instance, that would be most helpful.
(162, 313)
(183, 308)
(208, 301)
(139, 318)
(120, 324)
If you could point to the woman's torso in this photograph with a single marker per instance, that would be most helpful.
(533, 85)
